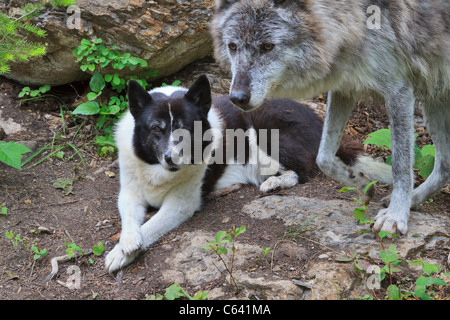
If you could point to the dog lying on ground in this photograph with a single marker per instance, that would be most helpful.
(176, 145)
(396, 51)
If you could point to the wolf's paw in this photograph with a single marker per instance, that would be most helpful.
(130, 241)
(385, 201)
(392, 221)
(117, 259)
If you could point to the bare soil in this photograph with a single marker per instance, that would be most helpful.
(89, 213)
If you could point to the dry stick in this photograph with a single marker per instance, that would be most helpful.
(54, 262)
(232, 281)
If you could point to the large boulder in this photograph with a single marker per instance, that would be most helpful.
(168, 34)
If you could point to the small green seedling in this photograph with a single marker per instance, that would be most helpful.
(219, 247)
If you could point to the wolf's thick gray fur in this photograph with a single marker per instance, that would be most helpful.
(306, 47)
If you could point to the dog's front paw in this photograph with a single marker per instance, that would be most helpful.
(392, 221)
(117, 259)
(130, 241)
(271, 184)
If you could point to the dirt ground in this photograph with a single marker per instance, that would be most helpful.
(43, 216)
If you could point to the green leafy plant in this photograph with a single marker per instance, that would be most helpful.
(73, 248)
(16, 239)
(3, 210)
(423, 283)
(26, 91)
(174, 292)
(15, 34)
(390, 258)
(11, 153)
(109, 107)
(98, 249)
(38, 253)
(219, 245)
(423, 158)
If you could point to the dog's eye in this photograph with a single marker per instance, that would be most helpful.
(267, 47)
(232, 46)
(156, 129)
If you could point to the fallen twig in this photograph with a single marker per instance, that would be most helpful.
(54, 262)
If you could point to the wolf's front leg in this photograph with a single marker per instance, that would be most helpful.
(338, 111)
(400, 105)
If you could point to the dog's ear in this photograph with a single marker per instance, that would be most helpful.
(223, 4)
(138, 98)
(200, 93)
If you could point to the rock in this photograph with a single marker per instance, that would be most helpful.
(196, 266)
(331, 275)
(270, 289)
(8, 125)
(168, 34)
(336, 228)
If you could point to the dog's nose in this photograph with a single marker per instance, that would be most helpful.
(240, 98)
(168, 158)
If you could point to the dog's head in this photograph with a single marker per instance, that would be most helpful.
(165, 121)
(268, 45)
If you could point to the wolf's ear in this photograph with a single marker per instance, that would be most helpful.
(138, 98)
(200, 93)
(223, 4)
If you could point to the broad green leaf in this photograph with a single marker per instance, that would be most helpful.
(240, 231)
(393, 292)
(174, 292)
(116, 79)
(92, 96)
(98, 249)
(222, 250)
(97, 82)
(387, 256)
(44, 88)
(380, 138)
(428, 150)
(11, 153)
(428, 268)
(425, 165)
(358, 213)
(87, 108)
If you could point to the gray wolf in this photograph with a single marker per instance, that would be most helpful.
(307, 47)
(156, 172)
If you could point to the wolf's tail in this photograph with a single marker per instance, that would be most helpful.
(351, 153)
(373, 169)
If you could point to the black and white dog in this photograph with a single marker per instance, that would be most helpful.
(176, 145)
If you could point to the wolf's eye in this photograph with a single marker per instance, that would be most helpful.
(267, 47)
(232, 46)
